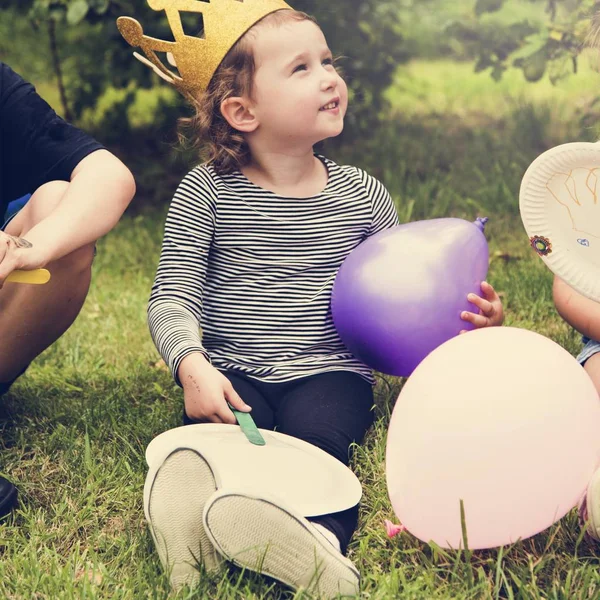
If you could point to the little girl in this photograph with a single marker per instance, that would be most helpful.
(253, 240)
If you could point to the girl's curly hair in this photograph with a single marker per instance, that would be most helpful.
(217, 142)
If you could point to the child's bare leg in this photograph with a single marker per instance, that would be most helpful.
(589, 513)
(32, 317)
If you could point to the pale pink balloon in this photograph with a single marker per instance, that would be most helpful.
(502, 418)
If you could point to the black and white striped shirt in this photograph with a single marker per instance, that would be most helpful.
(255, 270)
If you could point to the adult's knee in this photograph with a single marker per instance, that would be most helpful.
(80, 261)
(45, 199)
(42, 202)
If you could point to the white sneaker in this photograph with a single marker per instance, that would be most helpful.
(175, 494)
(262, 535)
(589, 509)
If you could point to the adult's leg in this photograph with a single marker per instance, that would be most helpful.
(32, 317)
(331, 411)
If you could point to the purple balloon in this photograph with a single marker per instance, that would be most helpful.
(399, 294)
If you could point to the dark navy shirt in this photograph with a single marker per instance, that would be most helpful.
(36, 145)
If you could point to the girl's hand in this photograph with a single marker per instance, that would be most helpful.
(206, 392)
(491, 312)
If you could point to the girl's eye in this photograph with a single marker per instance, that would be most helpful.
(328, 61)
(301, 67)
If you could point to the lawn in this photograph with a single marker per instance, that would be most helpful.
(74, 429)
(449, 87)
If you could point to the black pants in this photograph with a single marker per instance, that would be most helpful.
(330, 410)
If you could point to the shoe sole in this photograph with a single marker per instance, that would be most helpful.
(593, 506)
(178, 492)
(260, 535)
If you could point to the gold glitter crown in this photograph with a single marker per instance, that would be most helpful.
(196, 58)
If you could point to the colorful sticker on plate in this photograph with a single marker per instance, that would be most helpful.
(542, 245)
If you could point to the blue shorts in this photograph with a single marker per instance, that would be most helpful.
(13, 209)
(590, 348)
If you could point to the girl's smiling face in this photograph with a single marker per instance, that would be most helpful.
(298, 96)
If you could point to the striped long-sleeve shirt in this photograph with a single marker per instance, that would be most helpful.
(255, 271)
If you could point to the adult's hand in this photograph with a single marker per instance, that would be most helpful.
(17, 253)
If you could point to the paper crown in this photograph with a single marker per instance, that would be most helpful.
(196, 58)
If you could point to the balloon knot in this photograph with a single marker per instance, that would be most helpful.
(480, 222)
(392, 529)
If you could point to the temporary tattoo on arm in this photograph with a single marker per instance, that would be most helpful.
(20, 242)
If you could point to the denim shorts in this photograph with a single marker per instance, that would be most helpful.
(13, 209)
(590, 347)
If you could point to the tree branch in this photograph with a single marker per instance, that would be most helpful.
(57, 69)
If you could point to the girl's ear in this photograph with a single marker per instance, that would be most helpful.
(237, 111)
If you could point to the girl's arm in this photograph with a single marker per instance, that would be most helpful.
(578, 311)
(175, 305)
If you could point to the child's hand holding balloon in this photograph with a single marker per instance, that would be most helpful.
(491, 313)
(408, 289)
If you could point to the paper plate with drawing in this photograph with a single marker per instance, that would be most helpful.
(561, 214)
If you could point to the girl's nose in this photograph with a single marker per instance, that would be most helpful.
(329, 80)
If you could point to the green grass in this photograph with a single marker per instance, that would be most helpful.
(74, 430)
(447, 87)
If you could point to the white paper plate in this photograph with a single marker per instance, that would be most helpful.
(298, 473)
(560, 208)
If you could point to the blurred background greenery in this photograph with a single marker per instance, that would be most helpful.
(451, 100)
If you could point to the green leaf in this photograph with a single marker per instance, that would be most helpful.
(531, 43)
(534, 66)
(77, 11)
(487, 6)
(497, 71)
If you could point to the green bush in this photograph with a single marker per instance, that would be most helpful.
(109, 115)
(444, 165)
(125, 110)
(154, 107)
